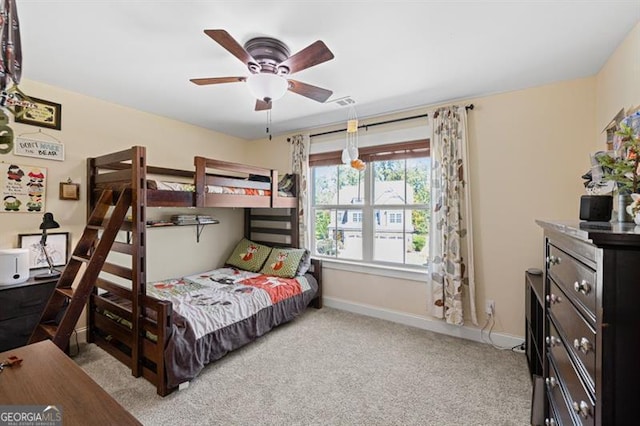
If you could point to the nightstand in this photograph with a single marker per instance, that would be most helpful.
(20, 308)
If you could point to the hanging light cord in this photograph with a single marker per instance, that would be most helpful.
(269, 123)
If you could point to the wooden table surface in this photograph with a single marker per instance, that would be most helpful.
(48, 377)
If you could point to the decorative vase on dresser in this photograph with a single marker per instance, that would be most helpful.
(591, 361)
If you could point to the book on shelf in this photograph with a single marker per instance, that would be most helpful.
(154, 223)
(206, 219)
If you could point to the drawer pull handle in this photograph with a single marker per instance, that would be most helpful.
(582, 409)
(549, 422)
(552, 341)
(552, 298)
(553, 260)
(551, 382)
(583, 345)
(582, 287)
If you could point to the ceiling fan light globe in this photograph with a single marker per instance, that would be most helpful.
(267, 86)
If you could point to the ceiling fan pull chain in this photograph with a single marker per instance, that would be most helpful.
(269, 123)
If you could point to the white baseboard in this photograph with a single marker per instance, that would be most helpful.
(465, 332)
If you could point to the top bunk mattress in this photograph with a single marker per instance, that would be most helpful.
(213, 189)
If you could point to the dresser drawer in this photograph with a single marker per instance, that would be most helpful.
(575, 278)
(575, 331)
(578, 398)
(17, 302)
(560, 411)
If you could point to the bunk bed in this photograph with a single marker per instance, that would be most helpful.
(146, 333)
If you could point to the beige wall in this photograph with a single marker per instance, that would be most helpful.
(618, 83)
(92, 127)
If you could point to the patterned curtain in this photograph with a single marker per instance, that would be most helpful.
(300, 166)
(451, 273)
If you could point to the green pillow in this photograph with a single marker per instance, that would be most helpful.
(249, 256)
(283, 262)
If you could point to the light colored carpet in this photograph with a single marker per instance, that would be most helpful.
(331, 367)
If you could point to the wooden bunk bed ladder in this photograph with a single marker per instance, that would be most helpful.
(66, 303)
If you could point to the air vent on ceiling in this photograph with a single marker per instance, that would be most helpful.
(343, 102)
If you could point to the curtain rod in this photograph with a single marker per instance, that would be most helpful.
(366, 126)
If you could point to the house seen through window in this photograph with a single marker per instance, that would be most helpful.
(379, 215)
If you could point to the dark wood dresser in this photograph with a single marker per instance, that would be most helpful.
(592, 323)
(20, 308)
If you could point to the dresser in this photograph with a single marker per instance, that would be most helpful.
(591, 360)
(20, 308)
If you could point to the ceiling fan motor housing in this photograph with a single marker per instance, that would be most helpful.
(269, 53)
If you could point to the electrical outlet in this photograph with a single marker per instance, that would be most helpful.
(489, 306)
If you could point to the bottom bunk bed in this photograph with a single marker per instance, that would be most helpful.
(192, 321)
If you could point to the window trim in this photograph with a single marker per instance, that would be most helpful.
(396, 151)
(391, 271)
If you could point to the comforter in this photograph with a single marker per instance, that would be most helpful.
(221, 310)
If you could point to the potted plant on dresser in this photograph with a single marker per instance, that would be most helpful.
(622, 166)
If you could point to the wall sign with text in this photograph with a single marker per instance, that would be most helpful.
(47, 150)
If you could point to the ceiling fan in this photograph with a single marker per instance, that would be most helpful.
(269, 62)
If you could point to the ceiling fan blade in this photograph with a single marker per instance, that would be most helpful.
(316, 93)
(262, 105)
(225, 40)
(311, 55)
(217, 80)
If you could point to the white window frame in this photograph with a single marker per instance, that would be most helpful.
(368, 232)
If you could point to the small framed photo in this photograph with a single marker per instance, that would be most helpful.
(46, 114)
(57, 246)
(69, 191)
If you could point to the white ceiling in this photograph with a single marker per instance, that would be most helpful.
(389, 56)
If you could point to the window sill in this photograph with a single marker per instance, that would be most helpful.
(373, 269)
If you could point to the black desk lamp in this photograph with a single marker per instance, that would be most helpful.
(47, 223)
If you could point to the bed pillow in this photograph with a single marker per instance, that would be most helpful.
(286, 183)
(249, 256)
(283, 262)
(305, 263)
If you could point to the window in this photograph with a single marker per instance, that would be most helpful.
(395, 217)
(379, 215)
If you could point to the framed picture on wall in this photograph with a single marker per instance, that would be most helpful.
(57, 246)
(69, 191)
(46, 114)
